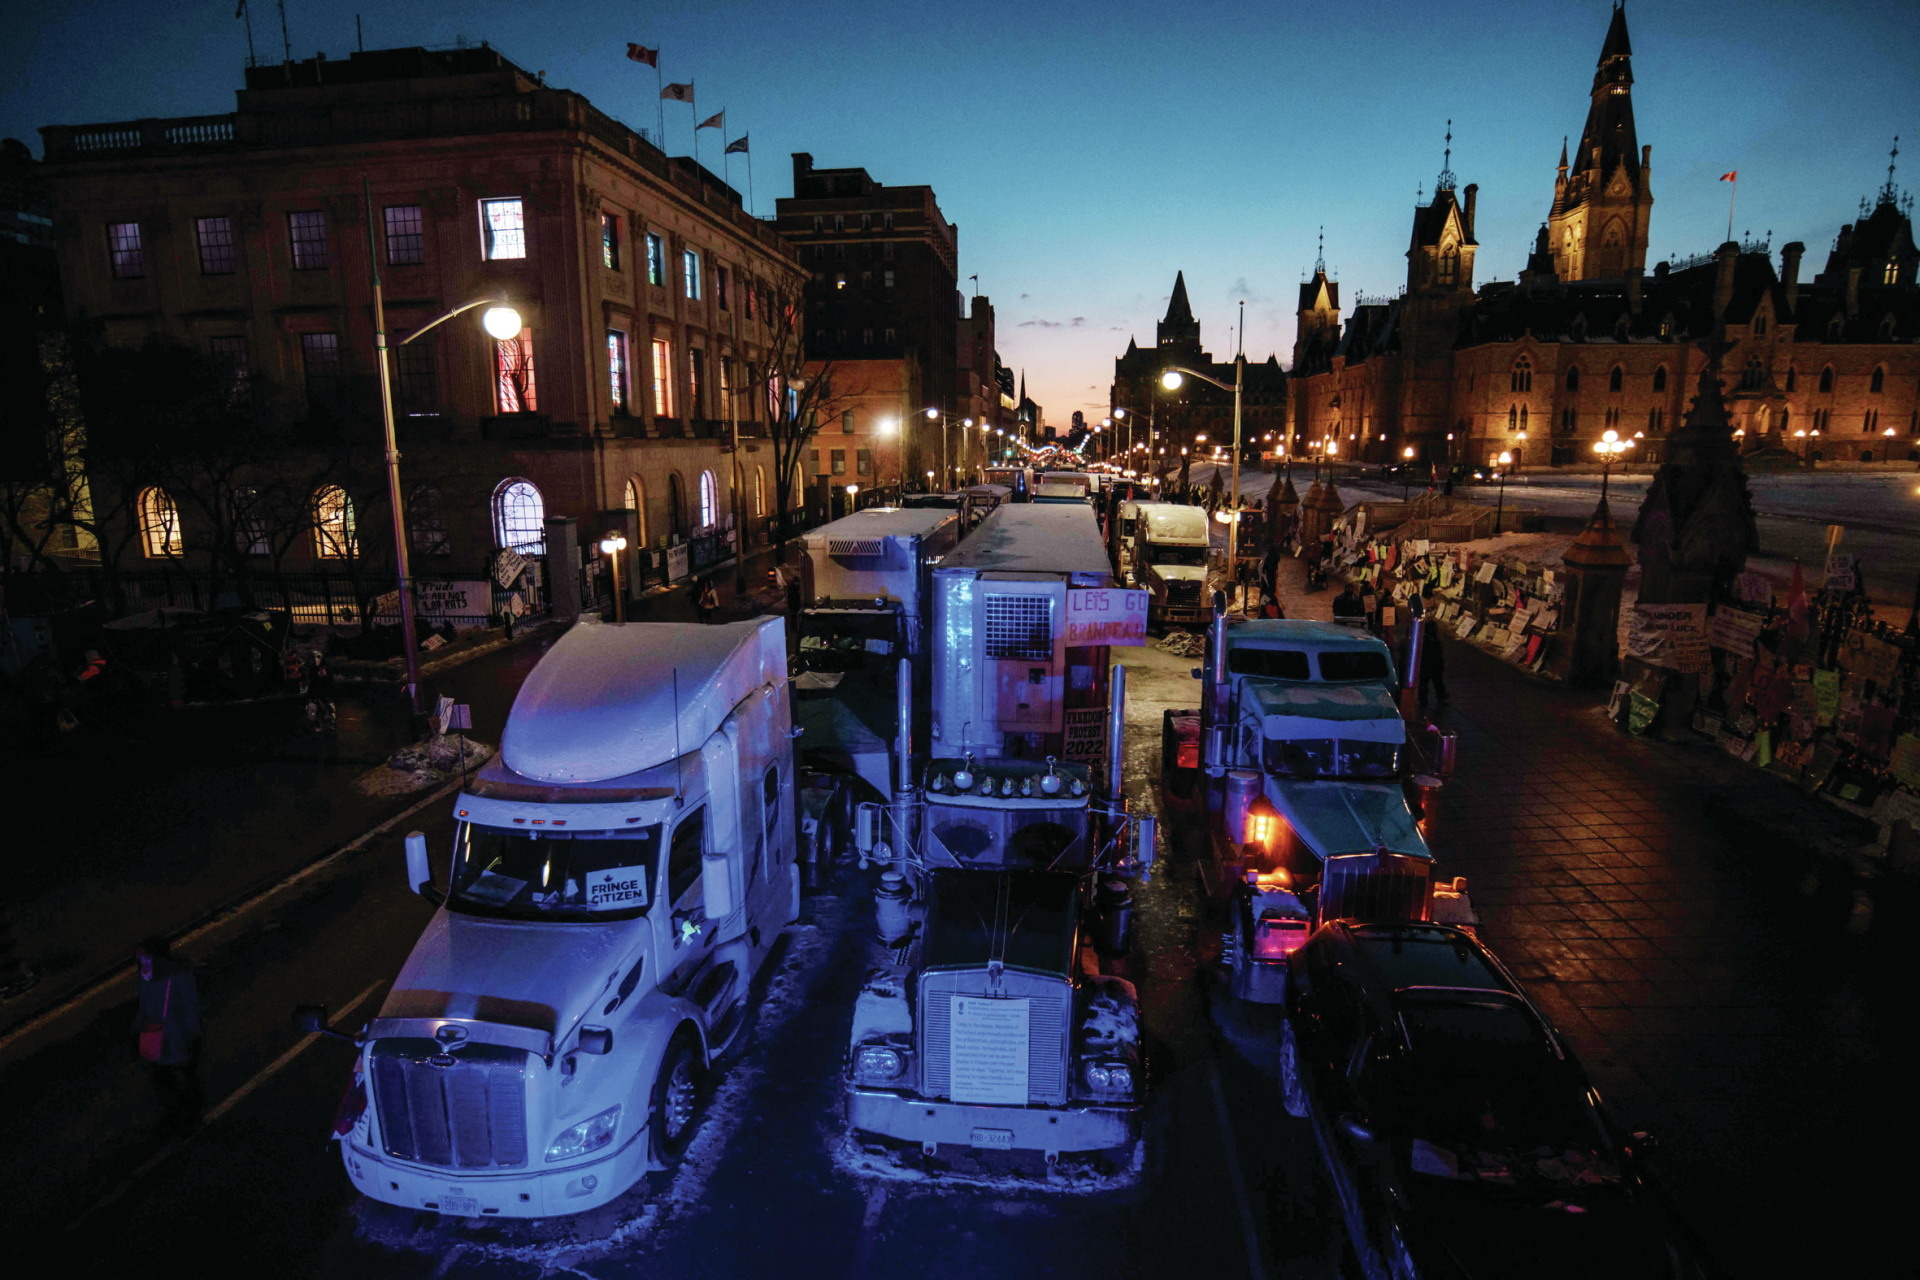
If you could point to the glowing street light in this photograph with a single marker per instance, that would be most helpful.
(1501, 509)
(1609, 446)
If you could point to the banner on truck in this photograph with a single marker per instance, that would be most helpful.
(1106, 616)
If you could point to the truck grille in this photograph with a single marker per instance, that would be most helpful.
(467, 1112)
(1183, 591)
(1050, 1002)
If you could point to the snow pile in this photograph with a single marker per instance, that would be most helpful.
(423, 765)
(1066, 1177)
(1112, 1023)
(1183, 644)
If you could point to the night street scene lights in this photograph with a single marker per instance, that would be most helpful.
(1609, 446)
(1501, 508)
(611, 546)
(1172, 379)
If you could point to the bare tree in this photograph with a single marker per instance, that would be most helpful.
(803, 396)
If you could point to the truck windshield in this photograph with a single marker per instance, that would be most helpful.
(1330, 758)
(1164, 553)
(555, 875)
(1033, 839)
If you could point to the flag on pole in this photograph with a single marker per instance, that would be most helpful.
(679, 93)
(241, 12)
(738, 144)
(714, 122)
(640, 53)
(1729, 177)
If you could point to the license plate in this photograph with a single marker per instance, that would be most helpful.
(459, 1206)
(993, 1137)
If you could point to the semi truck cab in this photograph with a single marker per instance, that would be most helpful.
(1170, 561)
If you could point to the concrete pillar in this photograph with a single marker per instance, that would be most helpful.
(1586, 649)
(563, 569)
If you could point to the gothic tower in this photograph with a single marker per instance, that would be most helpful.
(1318, 316)
(1603, 203)
(1179, 329)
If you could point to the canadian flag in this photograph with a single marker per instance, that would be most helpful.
(1730, 176)
(640, 53)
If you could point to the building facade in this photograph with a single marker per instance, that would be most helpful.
(1195, 421)
(651, 300)
(1586, 341)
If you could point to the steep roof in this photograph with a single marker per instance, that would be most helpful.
(1178, 309)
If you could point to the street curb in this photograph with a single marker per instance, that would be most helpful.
(216, 916)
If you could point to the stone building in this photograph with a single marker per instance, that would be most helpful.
(649, 295)
(1585, 341)
(1196, 417)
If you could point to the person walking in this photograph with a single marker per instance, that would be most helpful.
(1348, 606)
(166, 1030)
(709, 601)
(1433, 654)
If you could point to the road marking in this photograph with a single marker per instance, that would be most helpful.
(1255, 1268)
(869, 1224)
(225, 915)
(234, 1099)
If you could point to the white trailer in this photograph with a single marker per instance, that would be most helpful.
(620, 874)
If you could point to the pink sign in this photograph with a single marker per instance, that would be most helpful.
(1106, 616)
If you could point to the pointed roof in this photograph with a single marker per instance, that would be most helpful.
(1610, 119)
(1178, 310)
(1617, 45)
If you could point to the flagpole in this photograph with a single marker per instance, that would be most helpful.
(659, 101)
(693, 103)
(750, 205)
(252, 58)
(1733, 190)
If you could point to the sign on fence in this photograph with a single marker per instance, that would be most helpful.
(677, 562)
(1735, 630)
(1106, 616)
(508, 566)
(464, 604)
(1669, 635)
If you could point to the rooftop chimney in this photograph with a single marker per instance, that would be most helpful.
(1728, 254)
(1790, 272)
(1473, 198)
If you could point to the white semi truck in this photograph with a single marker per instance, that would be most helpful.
(620, 873)
(1170, 561)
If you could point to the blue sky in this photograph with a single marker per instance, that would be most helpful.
(1087, 152)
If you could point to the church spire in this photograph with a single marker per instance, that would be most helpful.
(1445, 180)
(1179, 327)
(1320, 258)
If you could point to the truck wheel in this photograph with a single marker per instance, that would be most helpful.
(1293, 1095)
(676, 1096)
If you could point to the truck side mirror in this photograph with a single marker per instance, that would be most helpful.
(1141, 851)
(716, 883)
(596, 1040)
(311, 1020)
(419, 879)
(866, 821)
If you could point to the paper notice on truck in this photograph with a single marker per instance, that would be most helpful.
(1106, 616)
(989, 1051)
(617, 888)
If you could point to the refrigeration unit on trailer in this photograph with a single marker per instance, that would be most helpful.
(620, 874)
(1302, 763)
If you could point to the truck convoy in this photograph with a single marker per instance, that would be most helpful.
(993, 1020)
(620, 873)
(1170, 561)
(1301, 762)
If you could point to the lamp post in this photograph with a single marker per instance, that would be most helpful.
(1406, 470)
(503, 323)
(1171, 380)
(1609, 446)
(1500, 510)
(853, 492)
(611, 546)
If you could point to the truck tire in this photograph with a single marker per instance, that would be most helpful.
(1293, 1094)
(675, 1101)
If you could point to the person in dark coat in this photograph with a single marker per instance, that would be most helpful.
(697, 597)
(169, 1001)
(1348, 604)
(1433, 655)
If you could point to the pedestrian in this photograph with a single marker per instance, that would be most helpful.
(166, 1029)
(1348, 606)
(1270, 570)
(1433, 656)
(697, 597)
(708, 602)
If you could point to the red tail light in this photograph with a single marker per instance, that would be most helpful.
(1278, 939)
(1187, 755)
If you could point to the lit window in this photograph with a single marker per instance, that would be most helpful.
(636, 502)
(215, 236)
(513, 374)
(759, 491)
(520, 517)
(752, 296)
(839, 462)
(129, 259)
(617, 369)
(709, 500)
(863, 461)
(333, 531)
(406, 236)
(690, 261)
(656, 260)
(159, 524)
(429, 528)
(662, 379)
(887, 280)
(307, 233)
(503, 229)
(610, 241)
(697, 385)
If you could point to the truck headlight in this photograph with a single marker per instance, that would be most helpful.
(1109, 1079)
(588, 1135)
(877, 1064)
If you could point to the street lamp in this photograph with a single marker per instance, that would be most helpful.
(611, 546)
(1171, 380)
(853, 492)
(1406, 469)
(501, 322)
(1500, 510)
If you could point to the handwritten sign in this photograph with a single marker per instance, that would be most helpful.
(677, 562)
(616, 888)
(508, 567)
(1734, 630)
(1106, 616)
(1487, 568)
(1839, 573)
(1086, 736)
(464, 604)
(1669, 635)
(988, 1051)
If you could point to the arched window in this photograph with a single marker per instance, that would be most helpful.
(159, 524)
(1759, 323)
(1793, 376)
(1616, 379)
(428, 525)
(1573, 378)
(1449, 264)
(1753, 375)
(519, 517)
(1610, 238)
(1523, 418)
(1786, 417)
(676, 505)
(1834, 327)
(759, 491)
(1826, 378)
(1660, 378)
(1513, 417)
(1523, 375)
(1892, 274)
(709, 500)
(1878, 382)
(635, 500)
(1666, 326)
(333, 528)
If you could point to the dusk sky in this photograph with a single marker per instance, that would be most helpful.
(1088, 152)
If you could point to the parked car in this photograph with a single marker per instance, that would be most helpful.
(1463, 1138)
